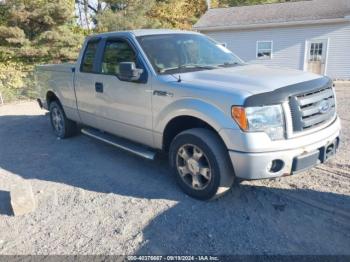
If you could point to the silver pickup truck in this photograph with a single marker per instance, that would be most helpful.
(182, 93)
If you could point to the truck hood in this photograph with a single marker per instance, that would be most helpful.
(253, 79)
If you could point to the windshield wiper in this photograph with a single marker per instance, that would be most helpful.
(188, 66)
(227, 64)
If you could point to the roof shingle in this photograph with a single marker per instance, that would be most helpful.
(274, 13)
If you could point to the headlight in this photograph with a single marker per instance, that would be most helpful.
(268, 119)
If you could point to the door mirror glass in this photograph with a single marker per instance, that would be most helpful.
(129, 72)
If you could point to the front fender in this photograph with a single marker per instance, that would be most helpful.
(209, 113)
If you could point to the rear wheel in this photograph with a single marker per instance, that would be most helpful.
(201, 164)
(62, 126)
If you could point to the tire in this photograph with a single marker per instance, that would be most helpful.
(201, 164)
(62, 126)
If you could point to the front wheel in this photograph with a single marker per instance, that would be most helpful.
(62, 126)
(201, 164)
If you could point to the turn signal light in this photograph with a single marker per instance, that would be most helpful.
(238, 114)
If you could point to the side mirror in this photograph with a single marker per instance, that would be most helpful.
(129, 72)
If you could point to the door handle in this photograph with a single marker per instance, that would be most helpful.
(162, 93)
(99, 87)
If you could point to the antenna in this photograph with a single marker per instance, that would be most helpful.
(179, 79)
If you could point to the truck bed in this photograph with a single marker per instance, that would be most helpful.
(58, 78)
(66, 67)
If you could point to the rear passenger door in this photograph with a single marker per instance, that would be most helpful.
(85, 79)
(124, 107)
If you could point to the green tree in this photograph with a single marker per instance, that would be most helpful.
(124, 15)
(32, 32)
(135, 14)
(38, 31)
(181, 14)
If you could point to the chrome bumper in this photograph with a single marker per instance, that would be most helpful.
(307, 151)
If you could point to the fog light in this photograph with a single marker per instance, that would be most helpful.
(275, 166)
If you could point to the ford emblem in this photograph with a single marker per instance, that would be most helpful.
(324, 107)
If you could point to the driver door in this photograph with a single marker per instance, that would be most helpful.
(124, 107)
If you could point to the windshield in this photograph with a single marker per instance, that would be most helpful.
(179, 53)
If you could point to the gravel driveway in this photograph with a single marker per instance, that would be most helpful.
(95, 199)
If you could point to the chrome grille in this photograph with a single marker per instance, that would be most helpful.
(312, 109)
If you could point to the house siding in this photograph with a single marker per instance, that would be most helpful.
(289, 45)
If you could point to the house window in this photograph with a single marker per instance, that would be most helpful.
(316, 51)
(264, 49)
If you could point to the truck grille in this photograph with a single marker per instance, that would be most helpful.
(312, 109)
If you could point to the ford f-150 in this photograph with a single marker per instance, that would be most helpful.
(184, 94)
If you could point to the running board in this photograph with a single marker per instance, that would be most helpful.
(120, 143)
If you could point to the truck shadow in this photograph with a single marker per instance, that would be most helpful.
(29, 149)
(248, 220)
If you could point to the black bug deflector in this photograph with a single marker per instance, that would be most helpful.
(282, 94)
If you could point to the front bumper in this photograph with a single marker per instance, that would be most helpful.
(257, 165)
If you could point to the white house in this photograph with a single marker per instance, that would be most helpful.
(308, 35)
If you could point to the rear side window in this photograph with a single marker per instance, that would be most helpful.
(87, 64)
(116, 51)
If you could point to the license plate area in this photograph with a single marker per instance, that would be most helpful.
(329, 150)
(304, 162)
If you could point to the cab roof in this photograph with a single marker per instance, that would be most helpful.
(144, 32)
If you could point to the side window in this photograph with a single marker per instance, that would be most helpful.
(116, 51)
(87, 64)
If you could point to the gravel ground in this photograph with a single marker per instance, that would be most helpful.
(95, 199)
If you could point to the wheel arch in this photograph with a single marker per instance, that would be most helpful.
(186, 114)
(179, 124)
(50, 97)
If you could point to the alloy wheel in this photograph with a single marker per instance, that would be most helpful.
(193, 166)
(57, 119)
